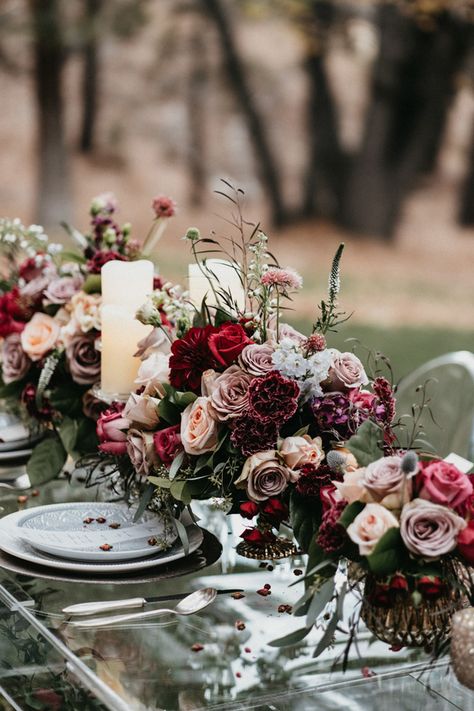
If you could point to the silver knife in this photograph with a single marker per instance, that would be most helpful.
(91, 608)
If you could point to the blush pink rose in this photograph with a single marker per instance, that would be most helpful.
(369, 526)
(443, 483)
(142, 410)
(298, 451)
(350, 488)
(39, 336)
(346, 372)
(199, 430)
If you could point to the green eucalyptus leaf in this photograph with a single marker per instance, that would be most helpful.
(319, 601)
(47, 461)
(68, 433)
(160, 481)
(144, 501)
(180, 491)
(176, 464)
(389, 554)
(289, 639)
(183, 535)
(365, 444)
(184, 399)
(350, 512)
(169, 412)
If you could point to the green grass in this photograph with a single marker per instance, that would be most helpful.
(406, 347)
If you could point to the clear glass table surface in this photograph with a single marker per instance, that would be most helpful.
(217, 659)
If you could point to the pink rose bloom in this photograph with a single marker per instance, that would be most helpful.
(256, 359)
(443, 484)
(167, 443)
(208, 380)
(156, 340)
(15, 362)
(154, 369)
(369, 526)
(287, 331)
(264, 476)
(112, 432)
(199, 430)
(142, 410)
(386, 483)
(142, 453)
(429, 530)
(298, 451)
(351, 489)
(62, 289)
(361, 399)
(229, 396)
(346, 372)
(39, 336)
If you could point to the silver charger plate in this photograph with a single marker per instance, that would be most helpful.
(60, 530)
(14, 546)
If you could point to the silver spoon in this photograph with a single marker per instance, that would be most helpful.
(195, 602)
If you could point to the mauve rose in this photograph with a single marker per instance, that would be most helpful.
(39, 336)
(62, 289)
(443, 483)
(229, 396)
(256, 359)
(83, 359)
(429, 530)
(199, 430)
(112, 432)
(466, 543)
(298, 451)
(287, 331)
(346, 372)
(386, 483)
(227, 344)
(369, 526)
(15, 362)
(264, 476)
(167, 443)
(157, 340)
(35, 288)
(142, 453)
(142, 411)
(154, 369)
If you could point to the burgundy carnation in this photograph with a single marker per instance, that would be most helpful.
(251, 436)
(190, 357)
(273, 398)
(97, 261)
(334, 413)
(313, 478)
(332, 536)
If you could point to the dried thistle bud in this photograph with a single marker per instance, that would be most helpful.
(336, 461)
(409, 463)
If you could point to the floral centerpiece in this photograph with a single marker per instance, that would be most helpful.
(50, 325)
(237, 406)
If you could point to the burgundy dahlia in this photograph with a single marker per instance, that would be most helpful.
(190, 357)
(251, 436)
(273, 398)
(313, 478)
(334, 413)
(332, 536)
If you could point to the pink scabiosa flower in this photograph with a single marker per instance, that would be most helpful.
(163, 206)
(282, 278)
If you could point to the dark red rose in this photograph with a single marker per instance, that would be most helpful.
(254, 535)
(398, 583)
(273, 398)
(167, 443)
(381, 595)
(251, 436)
(101, 257)
(12, 313)
(430, 586)
(275, 510)
(249, 509)
(190, 357)
(228, 343)
(466, 543)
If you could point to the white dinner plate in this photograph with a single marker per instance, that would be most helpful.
(95, 531)
(14, 454)
(19, 444)
(11, 544)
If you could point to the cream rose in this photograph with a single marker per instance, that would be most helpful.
(369, 526)
(39, 336)
(199, 430)
(297, 451)
(142, 410)
(154, 369)
(350, 488)
(264, 476)
(85, 314)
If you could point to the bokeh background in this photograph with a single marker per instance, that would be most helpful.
(342, 121)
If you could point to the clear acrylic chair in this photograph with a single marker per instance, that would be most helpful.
(452, 402)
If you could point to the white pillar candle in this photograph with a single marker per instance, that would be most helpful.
(224, 277)
(126, 283)
(120, 334)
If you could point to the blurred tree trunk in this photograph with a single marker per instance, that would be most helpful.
(324, 174)
(466, 213)
(53, 176)
(196, 110)
(90, 76)
(413, 87)
(268, 168)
